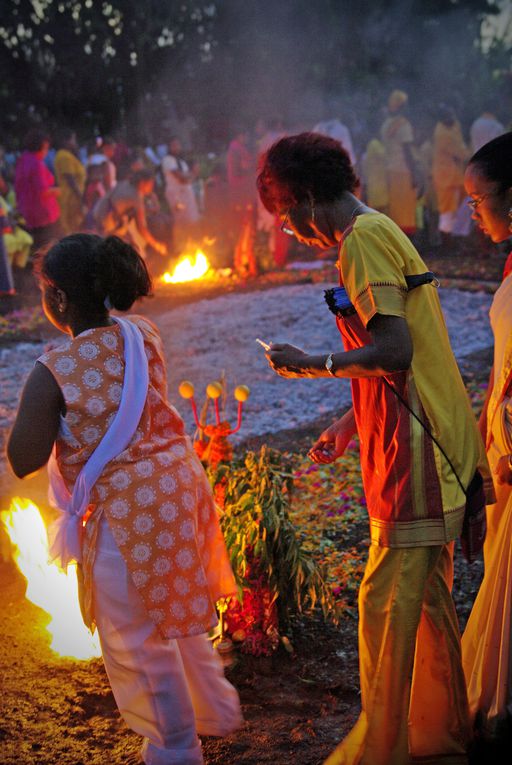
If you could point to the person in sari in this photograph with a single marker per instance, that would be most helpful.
(397, 137)
(71, 175)
(36, 193)
(135, 508)
(449, 154)
(375, 177)
(17, 241)
(487, 639)
(398, 355)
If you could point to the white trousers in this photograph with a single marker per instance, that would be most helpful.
(166, 690)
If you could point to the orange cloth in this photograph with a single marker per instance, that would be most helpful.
(155, 494)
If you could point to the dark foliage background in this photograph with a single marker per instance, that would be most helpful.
(101, 65)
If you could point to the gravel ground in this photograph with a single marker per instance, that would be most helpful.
(205, 339)
(296, 706)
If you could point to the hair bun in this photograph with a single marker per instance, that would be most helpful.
(124, 273)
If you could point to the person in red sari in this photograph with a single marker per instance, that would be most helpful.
(36, 192)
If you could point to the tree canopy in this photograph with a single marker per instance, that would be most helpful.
(98, 65)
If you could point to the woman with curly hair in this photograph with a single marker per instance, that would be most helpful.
(406, 391)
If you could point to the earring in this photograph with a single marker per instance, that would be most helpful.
(61, 309)
(510, 220)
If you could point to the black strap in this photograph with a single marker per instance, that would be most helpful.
(416, 280)
(434, 439)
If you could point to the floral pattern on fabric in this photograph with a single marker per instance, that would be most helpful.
(155, 494)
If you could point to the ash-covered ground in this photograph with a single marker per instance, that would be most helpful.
(297, 706)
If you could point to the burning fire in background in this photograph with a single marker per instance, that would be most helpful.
(47, 586)
(188, 269)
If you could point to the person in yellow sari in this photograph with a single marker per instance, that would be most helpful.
(449, 154)
(413, 694)
(71, 177)
(397, 137)
(375, 176)
(17, 241)
(487, 640)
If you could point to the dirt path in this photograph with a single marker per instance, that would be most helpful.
(297, 706)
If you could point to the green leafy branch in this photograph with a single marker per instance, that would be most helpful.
(261, 539)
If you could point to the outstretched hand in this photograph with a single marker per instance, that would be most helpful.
(287, 360)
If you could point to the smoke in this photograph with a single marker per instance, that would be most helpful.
(303, 62)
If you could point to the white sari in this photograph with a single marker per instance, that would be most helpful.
(487, 640)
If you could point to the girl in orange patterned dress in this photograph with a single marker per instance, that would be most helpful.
(151, 550)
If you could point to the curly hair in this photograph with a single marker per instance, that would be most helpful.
(494, 160)
(303, 167)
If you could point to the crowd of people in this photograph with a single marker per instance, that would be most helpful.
(136, 509)
(163, 199)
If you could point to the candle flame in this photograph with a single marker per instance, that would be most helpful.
(47, 586)
(187, 269)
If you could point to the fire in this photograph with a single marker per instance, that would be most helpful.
(186, 270)
(47, 586)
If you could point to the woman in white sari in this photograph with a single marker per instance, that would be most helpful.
(487, 640)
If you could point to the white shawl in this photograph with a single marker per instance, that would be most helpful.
(64, 533)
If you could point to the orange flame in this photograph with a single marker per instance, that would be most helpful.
(186, 270)
(47, 586)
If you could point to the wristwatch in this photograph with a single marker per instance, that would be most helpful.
(329, 365)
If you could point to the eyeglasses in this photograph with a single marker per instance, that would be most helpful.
(477, 201)
(284, 228)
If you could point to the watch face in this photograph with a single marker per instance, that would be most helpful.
(328, 362)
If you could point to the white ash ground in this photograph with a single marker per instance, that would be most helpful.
(204, 339)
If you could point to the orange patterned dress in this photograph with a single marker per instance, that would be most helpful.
(155, 495)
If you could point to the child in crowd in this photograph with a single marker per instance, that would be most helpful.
(135, 506)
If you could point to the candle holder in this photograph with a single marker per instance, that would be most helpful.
(217, 448)
(223, 644)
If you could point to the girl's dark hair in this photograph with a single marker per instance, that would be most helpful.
(34, 139)
(494, 160)
(303, 167)
(90, 269)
